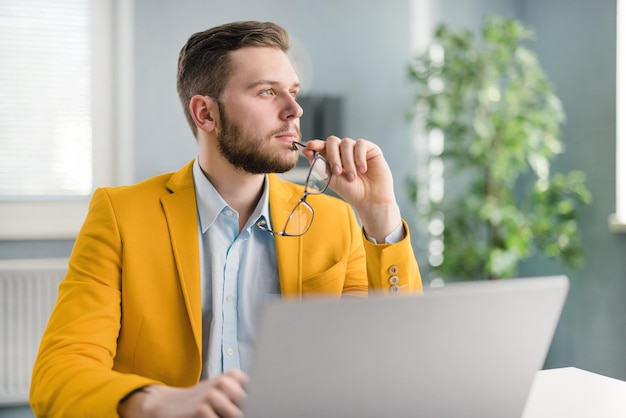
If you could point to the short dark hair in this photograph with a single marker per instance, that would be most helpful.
(204, 64)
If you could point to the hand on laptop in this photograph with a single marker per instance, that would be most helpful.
(222, 397)
(362, 177)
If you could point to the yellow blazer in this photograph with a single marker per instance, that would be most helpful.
(129, 313)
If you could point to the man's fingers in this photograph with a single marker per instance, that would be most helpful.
(361, 149)
(222, 403)
(333, 154)
(234, 385)
(340, 155)
(223, 396)
(239, 376)
(346, 150)
(346, 156)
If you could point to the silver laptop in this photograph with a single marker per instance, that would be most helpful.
(464, 350)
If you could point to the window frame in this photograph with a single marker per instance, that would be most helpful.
(61, 218)
(617, 220)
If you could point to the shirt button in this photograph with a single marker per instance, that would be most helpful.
(394, 280)
(394, 289)
(393, 269)
(229, 212)
(230, 351)
(229, 298)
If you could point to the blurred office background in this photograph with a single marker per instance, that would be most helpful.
(356, 53)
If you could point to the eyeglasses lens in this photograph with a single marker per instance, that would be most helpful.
(300, 219)
(319, 176)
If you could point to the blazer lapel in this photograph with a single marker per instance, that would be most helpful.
(288, 249)
(181, 214)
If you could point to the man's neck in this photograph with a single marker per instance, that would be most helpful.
(239, 189)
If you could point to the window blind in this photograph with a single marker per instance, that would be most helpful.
(45, 99)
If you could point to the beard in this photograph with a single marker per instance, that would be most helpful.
(249, 152)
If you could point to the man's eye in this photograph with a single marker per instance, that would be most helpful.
(267, 92)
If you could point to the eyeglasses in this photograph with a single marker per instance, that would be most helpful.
(301, 216)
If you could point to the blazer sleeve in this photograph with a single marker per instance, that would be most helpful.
(378, 268)
(392, 268)
(72, 375)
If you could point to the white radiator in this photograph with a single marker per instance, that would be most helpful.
(28, 291)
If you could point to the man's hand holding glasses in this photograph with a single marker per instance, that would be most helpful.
(362, 177)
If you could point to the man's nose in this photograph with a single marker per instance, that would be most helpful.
(292, 109)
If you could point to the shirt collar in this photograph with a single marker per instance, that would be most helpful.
(210, 204)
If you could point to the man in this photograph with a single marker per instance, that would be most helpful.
(157, 313)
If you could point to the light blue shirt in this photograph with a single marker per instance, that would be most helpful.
(239, 272)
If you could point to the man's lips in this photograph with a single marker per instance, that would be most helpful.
(288, 136)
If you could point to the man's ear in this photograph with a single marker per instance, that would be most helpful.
(204, 112)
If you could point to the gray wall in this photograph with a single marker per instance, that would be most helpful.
(360, 50)
(576, 47)
(575, 42)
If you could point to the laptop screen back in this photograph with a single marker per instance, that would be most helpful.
(467, 349)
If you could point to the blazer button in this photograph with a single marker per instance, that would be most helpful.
(394, 280)
(393, 269)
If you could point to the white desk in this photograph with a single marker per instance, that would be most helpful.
(573, 393)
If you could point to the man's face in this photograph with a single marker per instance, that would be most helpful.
(259, 117)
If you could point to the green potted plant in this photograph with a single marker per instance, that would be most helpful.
(499, 118)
